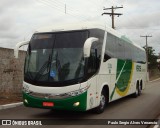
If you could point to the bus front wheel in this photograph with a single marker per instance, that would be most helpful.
(102, 104)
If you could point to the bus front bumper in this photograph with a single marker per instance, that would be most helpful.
(76, 103)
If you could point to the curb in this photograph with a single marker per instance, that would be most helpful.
(154, 80)
(10, 105)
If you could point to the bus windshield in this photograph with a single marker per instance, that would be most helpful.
(55, 57)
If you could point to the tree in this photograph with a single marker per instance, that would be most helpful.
(152, 58)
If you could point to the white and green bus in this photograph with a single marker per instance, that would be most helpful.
(80, 67)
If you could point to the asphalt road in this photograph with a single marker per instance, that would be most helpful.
(146, 106)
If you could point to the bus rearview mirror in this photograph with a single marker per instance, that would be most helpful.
(18, 45)
(87, 46)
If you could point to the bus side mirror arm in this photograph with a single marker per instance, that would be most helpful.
(87, 46)
(18, 45)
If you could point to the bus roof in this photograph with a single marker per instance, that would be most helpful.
(78, 26)
(83, 26)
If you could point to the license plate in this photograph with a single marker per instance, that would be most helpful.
(48, 104)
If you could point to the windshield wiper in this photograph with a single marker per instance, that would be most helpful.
(49, 63)
(58, 64)
(43, 68)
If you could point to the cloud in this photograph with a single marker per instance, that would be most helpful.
(139, 20)
(6, 23)
(19, 19)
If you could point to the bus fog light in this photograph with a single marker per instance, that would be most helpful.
(76, 104)
(26, 101)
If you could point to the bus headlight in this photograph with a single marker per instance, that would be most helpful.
(76, 104)
(26, 101)
(78, 92)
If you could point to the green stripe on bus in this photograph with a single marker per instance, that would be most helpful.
(123, 80)
(123, 77)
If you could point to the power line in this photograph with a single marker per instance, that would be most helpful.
(60, 9)
(63, 6)
(47, 4)
(68, 9)
(60, 5)
(112, 14)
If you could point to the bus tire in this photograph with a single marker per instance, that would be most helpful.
(138, 91)
(103, 99)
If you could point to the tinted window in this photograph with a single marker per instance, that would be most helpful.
(41, 41)
(100, 35)
(54, 58)
(71, 39)
(128, 55)
(111, 47)
(120, 49)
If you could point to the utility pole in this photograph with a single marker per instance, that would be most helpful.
(112, 14)
(146, 49)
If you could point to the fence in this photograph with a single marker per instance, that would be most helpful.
(11, 71)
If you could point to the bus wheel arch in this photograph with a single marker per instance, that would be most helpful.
(106, 89)
(104, 99)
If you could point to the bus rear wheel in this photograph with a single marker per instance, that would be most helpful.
(138, 91)
(102, 104)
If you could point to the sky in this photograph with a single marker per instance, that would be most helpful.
(19, 19)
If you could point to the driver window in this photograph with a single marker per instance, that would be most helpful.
(93, 59)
